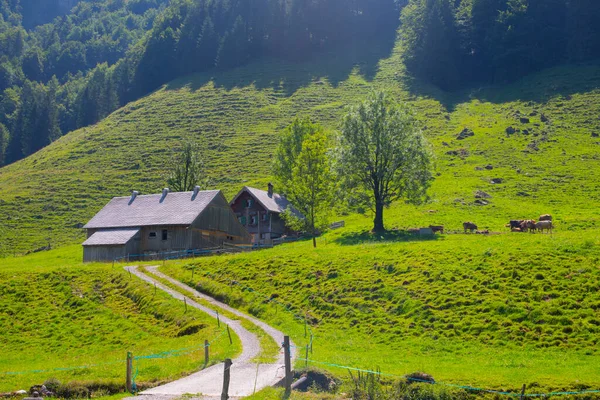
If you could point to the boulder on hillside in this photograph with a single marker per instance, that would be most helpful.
(481, 202)
(489, 167)
(465, 133)
(419, 377)
(543, 118)
(595, 134)
(496, 181)
(480, 194)
(524, 120)
(510, 130)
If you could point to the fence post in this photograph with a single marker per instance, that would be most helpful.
(523, 392)
(128, 383)
(218, 320)
(229, 334)
(305, 330)
(306, 364)
(288, 366)
(185, 303)
(226, 377)
(206, 353)
(311, 342)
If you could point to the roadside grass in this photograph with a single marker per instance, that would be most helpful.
(57, 313)
(269, 350)
(493, 311)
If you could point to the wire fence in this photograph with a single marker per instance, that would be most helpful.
(379, 373)
(188, 350)
(164, 354)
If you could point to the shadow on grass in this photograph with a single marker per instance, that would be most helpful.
(286, 77)
(538, 87)
(354, 238)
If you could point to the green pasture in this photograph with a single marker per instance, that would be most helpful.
(76, 323)
(494, 312)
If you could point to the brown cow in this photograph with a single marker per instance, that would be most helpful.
(437, 228)
(544, 225)
(528, 224)
(469, 226)
(546, 217)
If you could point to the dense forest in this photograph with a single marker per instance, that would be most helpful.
(59, 74)
(464, 42)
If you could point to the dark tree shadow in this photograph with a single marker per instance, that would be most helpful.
(286, 77)
(354, 238)
(538, 87)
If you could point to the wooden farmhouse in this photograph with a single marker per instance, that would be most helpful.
(156, 224)
(260, 212)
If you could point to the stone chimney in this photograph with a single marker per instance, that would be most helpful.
(165, 192)
(196, 191)
(270, 191)
(134, 194)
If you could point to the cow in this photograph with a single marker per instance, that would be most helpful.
(546, 217)
(469, 226)
(437, 228)
(544, 225)
(515, 223)
(528, 224)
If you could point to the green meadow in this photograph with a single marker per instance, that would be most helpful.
(495, 311)
(476, 310)
(75, 323)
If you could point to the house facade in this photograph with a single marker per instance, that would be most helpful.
(259, 211)
(156, 224)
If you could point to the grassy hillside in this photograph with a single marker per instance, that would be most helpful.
(492, 311)
(63, 320)
(550, 166)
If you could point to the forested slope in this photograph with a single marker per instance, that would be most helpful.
(550, 166)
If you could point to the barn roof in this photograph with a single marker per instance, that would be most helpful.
(277, 203)
(180, 208)
(108, 237)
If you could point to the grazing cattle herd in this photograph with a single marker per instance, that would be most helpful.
(529, 225)
(544, 223)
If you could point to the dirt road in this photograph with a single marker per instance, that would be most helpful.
(208, 383)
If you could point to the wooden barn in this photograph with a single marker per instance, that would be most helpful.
(160, 223)
(260, 212)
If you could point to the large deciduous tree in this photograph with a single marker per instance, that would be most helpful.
(186, 170)
(303, 168)
(382, 156)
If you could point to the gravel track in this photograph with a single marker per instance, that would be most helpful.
(208, 383)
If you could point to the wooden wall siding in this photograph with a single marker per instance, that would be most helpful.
(110, 253)
(219, 217)
(178, 238)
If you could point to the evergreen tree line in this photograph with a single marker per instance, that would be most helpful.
(453, 43)
(76, 70)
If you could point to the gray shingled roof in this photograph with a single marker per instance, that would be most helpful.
(114, 237)
(276, 204)
(151, 210)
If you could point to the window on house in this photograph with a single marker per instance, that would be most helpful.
(243, 220)
(152, 235)
(253, 220)
(265, 217)
(165, 234)
(249, 203)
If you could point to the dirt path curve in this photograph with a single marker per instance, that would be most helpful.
(208, 383)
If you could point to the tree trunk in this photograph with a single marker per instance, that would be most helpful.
(314, 231)
(378, 226)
